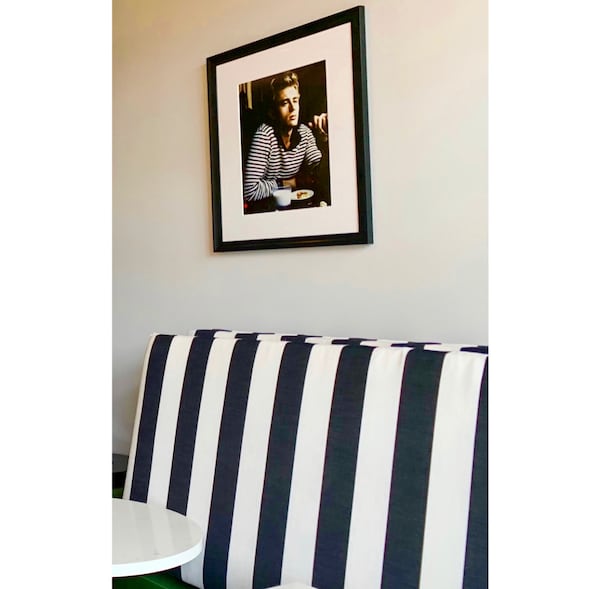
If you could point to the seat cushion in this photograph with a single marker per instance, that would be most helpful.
(326, 465)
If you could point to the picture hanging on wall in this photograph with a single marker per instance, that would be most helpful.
(289, 139)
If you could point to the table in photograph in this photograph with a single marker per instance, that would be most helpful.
(148, 538)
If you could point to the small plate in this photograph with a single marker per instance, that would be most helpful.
(302, 194)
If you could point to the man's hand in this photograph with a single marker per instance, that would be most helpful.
(319, 126)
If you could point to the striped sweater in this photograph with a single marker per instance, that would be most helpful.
(268, 160)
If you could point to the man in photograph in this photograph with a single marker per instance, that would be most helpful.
(283, 151)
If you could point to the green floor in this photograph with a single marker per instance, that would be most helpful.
(158, 580)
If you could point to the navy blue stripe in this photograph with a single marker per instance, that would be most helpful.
(476, 558)
(218, 534)
(187, 424)
(296, 338)
(176, 572)
(478, 349)
(280, 459)
(209, 333)
(407, 345)
(410, 475)
(147, 429)
(340, 468)
(351, 340)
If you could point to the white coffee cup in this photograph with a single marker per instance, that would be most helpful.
(283, 196)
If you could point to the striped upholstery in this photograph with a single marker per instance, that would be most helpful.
(337, 466)
(321, 339)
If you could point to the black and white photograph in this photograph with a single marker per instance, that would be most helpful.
(284, 132)
(289, 138)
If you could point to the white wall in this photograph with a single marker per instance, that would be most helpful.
(425, 276)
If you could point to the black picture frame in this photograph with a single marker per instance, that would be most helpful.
(330, 53)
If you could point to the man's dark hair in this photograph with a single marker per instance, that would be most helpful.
(279, 83)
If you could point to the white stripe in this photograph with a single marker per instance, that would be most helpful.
(318, 339)
(136, 421)
(269, 337)
(447, 515)
(166, 422)
(253, 459)
(205, 449)
(225, 334)
(366, 544)
(378, 343)
(307, 474)
(444, 347)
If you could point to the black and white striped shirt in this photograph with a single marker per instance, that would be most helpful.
(269, 160)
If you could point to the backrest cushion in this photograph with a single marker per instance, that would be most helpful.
(335, 466)
(322, 339)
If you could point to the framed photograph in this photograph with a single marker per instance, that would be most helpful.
(289, 140)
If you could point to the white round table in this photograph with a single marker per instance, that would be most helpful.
(148, 538)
